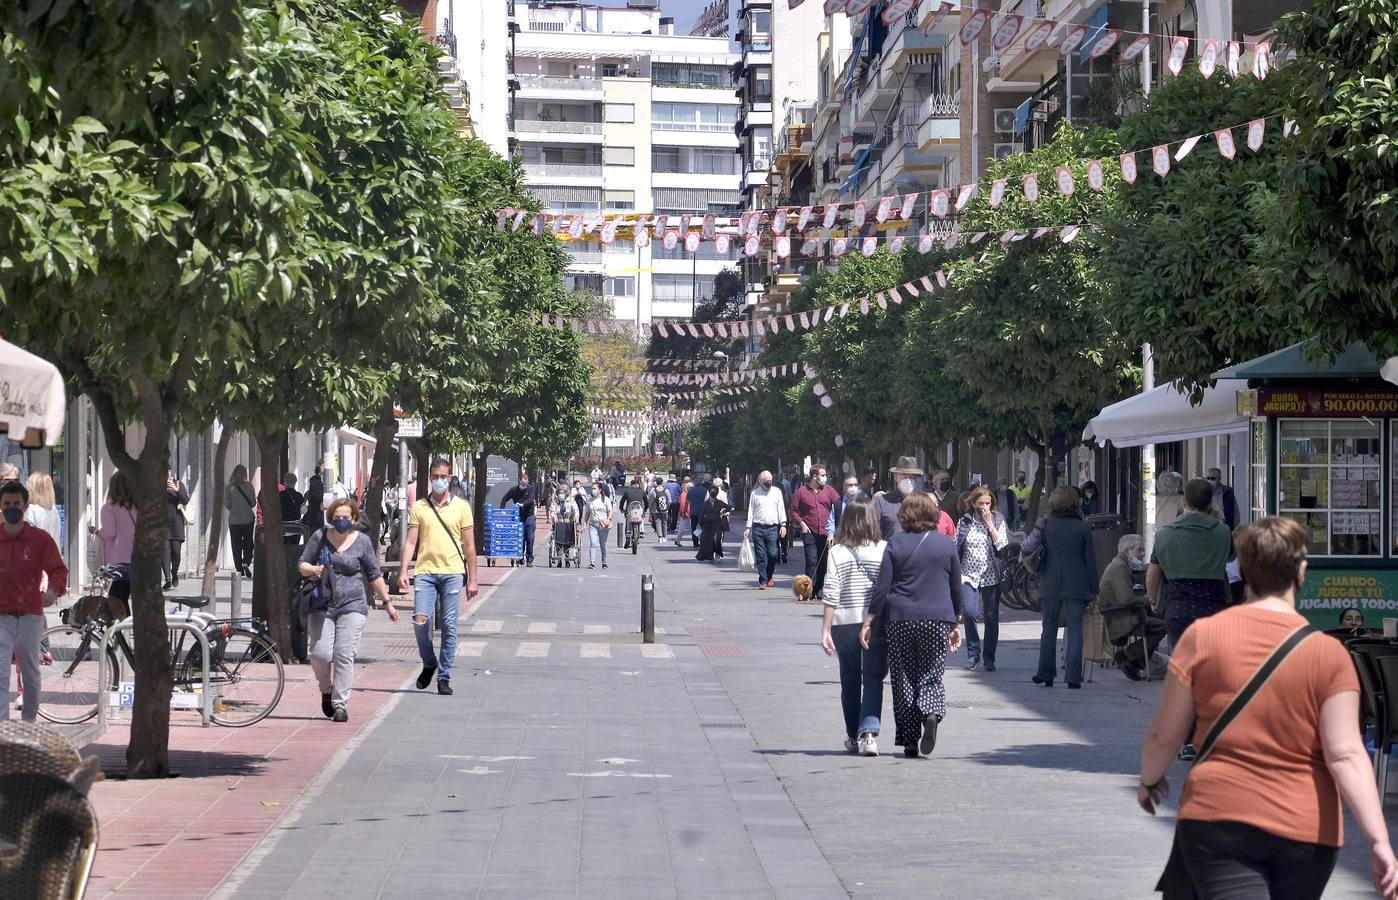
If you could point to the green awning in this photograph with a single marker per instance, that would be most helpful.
(1357, 361)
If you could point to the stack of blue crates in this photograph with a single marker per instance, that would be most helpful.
(504, 532)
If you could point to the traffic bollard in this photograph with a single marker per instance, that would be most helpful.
(235, 600)
(647, 609)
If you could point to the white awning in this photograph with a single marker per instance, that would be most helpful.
(1390, 369)
(1163, 414)
(32, 403)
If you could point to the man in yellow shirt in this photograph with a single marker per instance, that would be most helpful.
(439, 530)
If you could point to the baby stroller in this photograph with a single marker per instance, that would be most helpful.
(563, 545)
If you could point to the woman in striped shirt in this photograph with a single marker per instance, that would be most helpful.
(852, 568)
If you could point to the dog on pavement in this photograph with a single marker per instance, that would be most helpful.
(803, 587)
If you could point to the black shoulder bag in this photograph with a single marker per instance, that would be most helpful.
(1174, 881)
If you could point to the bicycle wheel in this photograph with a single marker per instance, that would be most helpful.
(69, 692)
(246, 672)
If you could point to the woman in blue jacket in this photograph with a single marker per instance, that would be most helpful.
(1067, 582)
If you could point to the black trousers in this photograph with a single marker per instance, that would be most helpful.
(1233, 861)
(241, 538)
(171, 562)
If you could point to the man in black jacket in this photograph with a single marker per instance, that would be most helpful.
(526, 496)
(633, 493)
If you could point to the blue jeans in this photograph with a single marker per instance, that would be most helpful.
(597, 538)
(431, 593)
(1048, 639)
(765, 550)
(861, 677)
(989, 614)
(529, 524)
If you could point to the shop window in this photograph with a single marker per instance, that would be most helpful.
(1329, 481)
(1261, 484)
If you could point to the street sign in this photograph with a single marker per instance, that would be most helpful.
(410, 428)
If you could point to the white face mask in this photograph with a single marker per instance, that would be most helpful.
(905, 486)
(852, 489)
(821, 481)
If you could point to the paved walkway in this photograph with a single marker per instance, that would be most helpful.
(574, 761)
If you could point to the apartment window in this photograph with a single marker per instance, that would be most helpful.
(761, 27)
(693, 116)
(619, 199)
(762, 86)
(694, 161)
(666, 159)
(618, 156)
(683, 75)
(681, 288)
(621, 112)
(620, 286)
(610, 70)
(582, 282)
(560, 70)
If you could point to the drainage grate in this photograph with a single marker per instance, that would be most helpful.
(722, 651)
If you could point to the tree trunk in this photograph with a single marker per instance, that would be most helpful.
(481, 470)
(955, 464)
(1040, 448)
(273, 551)
(216, 511)
(385, 429)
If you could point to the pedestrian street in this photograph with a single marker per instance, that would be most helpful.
(576, 761)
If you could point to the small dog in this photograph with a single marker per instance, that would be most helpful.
(803, 587)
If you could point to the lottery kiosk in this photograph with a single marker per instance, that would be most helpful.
(1323, 438)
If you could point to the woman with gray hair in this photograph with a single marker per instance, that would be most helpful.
(1122, 605)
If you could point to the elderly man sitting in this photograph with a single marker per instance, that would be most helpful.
(1123, 601)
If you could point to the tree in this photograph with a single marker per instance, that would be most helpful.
(1331, 237)
(1180, 254)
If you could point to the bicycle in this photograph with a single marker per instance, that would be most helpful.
(245, 668)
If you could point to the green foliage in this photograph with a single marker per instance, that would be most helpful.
(1330, 245)
(1180, 253)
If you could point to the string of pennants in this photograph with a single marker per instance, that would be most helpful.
(666, 396)
(657, 420)
(814, 230)
(690, 363)
(737, 376)
(1096, 41)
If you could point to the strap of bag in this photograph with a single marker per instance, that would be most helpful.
(456, 542)
(242, 489)
(1255, 684)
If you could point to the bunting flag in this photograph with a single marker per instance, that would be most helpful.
(1135, 48)
(870, 246)
(1072, 40)
(830, 213)
(859, 214)
(1160, 160)
(1104, 44)
(803, 219)
(940, 203)
(997, 191)
(1095, 177)
(885, 210)
(1031, 187)
(779, 222)
(962, 198)
(1235, 54)
(973, 24)
(1187, 147)
(895, 244)
(1262, 60)
(1255, 128)
(1038, 34)
(1208, 58)
(1178, 51)
(938, 17)
(1128, 168)
(909, 202)
(1007, 32)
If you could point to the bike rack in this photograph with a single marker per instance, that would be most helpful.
(206, 710)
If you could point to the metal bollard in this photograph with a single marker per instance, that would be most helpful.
(236, 597)
(647, 609)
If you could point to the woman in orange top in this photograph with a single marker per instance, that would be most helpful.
(1260, 816)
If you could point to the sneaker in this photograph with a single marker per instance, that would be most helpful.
(929, 736)
(425, 678)
(341, 714)
(1133, 671)
(592, 565)
(989, 667)
(326, 706)
(910, 752)
(868, 744)
(973, 664)
(444, 686)
(851, 745)
(604, 565)
(1188, 753)
(770, 581)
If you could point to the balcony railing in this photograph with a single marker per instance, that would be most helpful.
(562, 170)
(585, 257)
(941, 106)
(558, 127)
(691, 126)
(555, 82)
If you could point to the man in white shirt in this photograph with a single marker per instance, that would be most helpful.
(766, 527)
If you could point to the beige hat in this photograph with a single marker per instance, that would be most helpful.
(907, 465)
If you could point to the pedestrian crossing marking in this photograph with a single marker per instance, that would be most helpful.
(531, 649)
(594, 651)
(543, 627)
(471, 648)
(657, 651)
(597, 629)
(487, 626)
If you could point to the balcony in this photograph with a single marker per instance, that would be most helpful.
(543, 86)
(563, 132)
(908, 41)
(551, 171)
(940, 121)
(714, 127)
(588, 257)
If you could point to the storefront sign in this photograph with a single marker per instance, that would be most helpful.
(1303, 402)
(1327, 592)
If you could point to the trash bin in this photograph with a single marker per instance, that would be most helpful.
(294, 537)
(1107, 530)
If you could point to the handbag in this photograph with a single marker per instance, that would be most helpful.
(317, 594)
(1174, 882)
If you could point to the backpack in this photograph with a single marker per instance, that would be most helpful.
(662, 500)
(635, 511)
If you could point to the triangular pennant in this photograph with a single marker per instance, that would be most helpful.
(693, 331)
(805, 321)
(1031, 187)
(909, 203)
(707, 329)
(1135, 48)
(894, 295)
(1104, 44)
(963, 196)
(1041, 231)
(1064, 177)
(1007, 236)
(869, 247)
(1007, 32)
(1128, 168)
(1068, 233)
(1178, 49)
(1160, 159)
(940, 203)
(1208, 58)
(790, 322)
(1186, 147)
(1255, 129)
(1095, 177)
(997, 191)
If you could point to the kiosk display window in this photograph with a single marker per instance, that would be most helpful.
(1330, 480)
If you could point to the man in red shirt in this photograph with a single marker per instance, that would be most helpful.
(810, 509)
(26, 555)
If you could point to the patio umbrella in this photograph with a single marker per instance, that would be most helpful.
(32, 403)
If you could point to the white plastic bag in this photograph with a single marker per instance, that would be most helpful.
(747, 560)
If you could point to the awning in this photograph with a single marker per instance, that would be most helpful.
(1163, 414)
(32, 403)
(1354, 361)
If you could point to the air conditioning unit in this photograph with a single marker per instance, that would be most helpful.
(1005, 120)
(1006, 150)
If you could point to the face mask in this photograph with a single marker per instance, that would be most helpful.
(1137, 565)
(852, 490)
(440, 485)
(766, 482)
(905, 486)
(524, 484)
(821, 481)
(13, 514)
(343, 524)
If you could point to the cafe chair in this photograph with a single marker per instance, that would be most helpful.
(48, 829)
(1376, 664)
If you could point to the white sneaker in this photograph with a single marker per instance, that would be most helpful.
(851, 745)
(868, 744)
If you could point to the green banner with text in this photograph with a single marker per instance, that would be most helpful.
(1327, 592)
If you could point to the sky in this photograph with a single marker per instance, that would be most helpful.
(687, 11)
